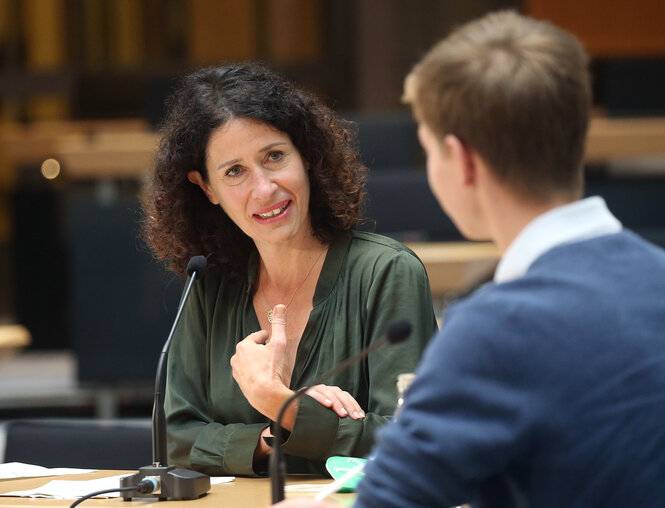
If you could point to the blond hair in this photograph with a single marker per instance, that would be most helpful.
(518, 92)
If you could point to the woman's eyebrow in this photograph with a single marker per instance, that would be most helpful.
(227, 163)
(271, 145)
(264, 149)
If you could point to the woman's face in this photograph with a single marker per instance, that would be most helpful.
(259, 178)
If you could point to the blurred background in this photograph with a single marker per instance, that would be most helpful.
(82, 86)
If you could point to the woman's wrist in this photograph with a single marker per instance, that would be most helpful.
(272, 399)
(262, 448)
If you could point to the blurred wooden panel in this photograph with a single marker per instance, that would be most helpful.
(126, 36)
(12, 338)
(5, 22)
(107, 155)
(456, 266)
(47, 107)
(624, 138)
(222, 30)
(294, 31)
(154, 31)
(95, 34)
(44, 34)
(30, 144)
(44, 25)
(608, 28)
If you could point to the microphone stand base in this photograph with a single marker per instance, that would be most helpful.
(175, 483)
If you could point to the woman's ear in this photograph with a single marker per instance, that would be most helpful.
(196, 178)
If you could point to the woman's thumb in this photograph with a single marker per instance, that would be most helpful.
(279, 319)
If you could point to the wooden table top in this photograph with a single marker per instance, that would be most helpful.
(456, 266)
(241, 493)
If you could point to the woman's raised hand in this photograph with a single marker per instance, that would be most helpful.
(263, 365)
(263, 368)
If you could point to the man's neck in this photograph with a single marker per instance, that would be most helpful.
(508, 214)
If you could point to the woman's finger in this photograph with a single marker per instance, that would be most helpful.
(259, 337)
(319, 396)
(349, 403)
(338, 400)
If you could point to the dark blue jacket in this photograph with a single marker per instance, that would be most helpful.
(547, 391)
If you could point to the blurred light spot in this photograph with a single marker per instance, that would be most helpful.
(50, 169)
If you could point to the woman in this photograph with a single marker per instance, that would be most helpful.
(262, 179)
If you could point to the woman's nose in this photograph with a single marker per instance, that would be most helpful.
(263, 185)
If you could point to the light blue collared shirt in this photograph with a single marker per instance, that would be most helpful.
(573, 222)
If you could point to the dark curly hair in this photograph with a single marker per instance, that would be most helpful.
(180, 222)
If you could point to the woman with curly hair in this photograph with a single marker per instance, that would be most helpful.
(264, 180)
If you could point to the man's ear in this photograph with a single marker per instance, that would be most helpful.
(463, 159)
(196, 178)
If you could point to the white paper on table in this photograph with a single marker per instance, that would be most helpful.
(305, 487)
(216, 480)
(21, 470)
(71, 489)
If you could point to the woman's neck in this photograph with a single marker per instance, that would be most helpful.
(283, 267)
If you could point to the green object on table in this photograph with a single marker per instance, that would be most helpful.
(341, 466)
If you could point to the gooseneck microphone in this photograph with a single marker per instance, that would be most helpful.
(398, 331)
(174, 483)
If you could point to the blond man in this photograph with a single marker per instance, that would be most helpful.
(546, 387)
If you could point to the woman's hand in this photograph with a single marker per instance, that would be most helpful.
(338, 400)
(263, 369)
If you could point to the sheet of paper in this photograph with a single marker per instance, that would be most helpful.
(70, 489)
(305, 487)
(21, 470)
(216, 480)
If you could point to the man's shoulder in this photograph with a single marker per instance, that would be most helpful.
(513, 312)
(494, 302)
(606, 249)
(589, 288)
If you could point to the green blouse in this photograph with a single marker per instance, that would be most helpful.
(366, 282)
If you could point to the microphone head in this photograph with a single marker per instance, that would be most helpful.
(398, 331)
(197, 264)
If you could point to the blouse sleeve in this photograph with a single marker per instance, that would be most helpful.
(397, 289)
(195, 440)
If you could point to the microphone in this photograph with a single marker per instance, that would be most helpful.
(174, 483)
(398, 331)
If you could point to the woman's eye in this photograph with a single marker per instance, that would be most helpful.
(275, 155)
(233, 171)
(235, 175)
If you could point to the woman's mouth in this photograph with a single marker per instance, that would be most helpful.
(274, 212)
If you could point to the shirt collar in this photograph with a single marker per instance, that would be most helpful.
(573, 222)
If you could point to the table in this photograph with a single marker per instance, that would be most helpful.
(12, 338)
(456, 267)
(241, 493)
(612, 138)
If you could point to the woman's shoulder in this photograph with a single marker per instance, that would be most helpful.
(374, 250)
(366, 242)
